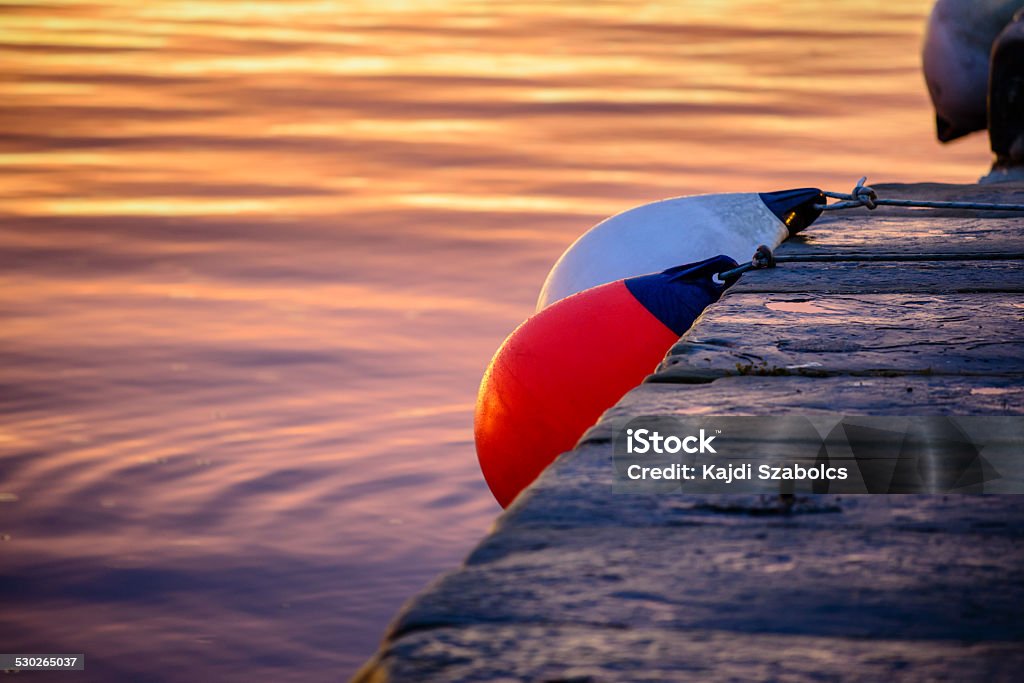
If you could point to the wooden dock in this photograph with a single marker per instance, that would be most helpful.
(576, 583)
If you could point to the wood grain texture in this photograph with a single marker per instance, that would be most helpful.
(866, 334)
(885, 278)
(558, 653)
(907, 234)
(846, 395)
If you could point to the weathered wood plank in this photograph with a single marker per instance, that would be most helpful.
(679, 573)
(961, 334)
(887, 278)
(849, 395)
(886, 574)
(558, 653)
(908, 235)
(996, 193)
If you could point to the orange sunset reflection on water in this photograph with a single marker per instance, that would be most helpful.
(256, 257)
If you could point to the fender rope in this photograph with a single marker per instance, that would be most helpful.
(764, 258)
(866, 196)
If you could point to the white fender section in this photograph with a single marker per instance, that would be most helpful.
(660, 235)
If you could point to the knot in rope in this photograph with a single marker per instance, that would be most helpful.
(864, 194)
(763, 258)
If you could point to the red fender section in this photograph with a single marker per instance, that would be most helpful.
(554, 377)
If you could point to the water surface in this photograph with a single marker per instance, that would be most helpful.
(256, 256)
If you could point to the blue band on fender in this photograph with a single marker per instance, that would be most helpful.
(795, 208)
(677, 296)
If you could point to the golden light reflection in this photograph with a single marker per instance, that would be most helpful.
(686, 91)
